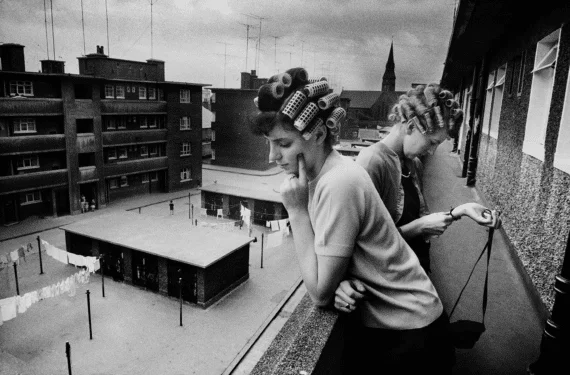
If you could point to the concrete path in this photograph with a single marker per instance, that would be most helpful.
(514, 323)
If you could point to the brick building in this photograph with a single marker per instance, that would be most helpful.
(116, 129)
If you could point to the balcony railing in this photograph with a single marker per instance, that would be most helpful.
(30, 106)
(135, 166)
(124, 107)
(115, 138)
(32, 143)
(86, 142)
(33, 181)
(87, 174)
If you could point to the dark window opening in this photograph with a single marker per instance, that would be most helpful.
(87, 160)
(84, 125)
(83, 91)
(521, 74)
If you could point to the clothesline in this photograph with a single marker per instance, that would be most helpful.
(211, 206)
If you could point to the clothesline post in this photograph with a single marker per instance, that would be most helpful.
(180, 290)
(196, 222)
(189, 207)
(139, 210)
(89, 314)
(40, 251)
(102, 274)
(16, 275)
(192, 211)
(262, 250)
(68, 355)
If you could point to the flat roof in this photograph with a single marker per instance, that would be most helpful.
(267, 194)
(162, 236)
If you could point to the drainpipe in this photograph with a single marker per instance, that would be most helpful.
(476, 120)
(555, 344)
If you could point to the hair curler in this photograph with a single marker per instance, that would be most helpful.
(313, 126)
(283, 78)
(328, 101)
(429, 122)
(255, 101)
(316, 89)
(429, 93)
(313, 80)
(294, 104)
(270, 96)
(439, 116)
(299, 76)
(416, 121)
(335, 117)
(306, 116)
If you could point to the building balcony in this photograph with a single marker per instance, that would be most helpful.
(33, 181)
(86, 142)
(88, 174)
(30, 107)
(135, 166)
(129, 137)
(124, 107)
(32, 143)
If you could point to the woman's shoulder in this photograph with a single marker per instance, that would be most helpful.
(376, 155)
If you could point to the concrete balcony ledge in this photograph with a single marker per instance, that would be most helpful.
(30, 107)
(32, 144)
(311, 341)
(127, 137)
(123, 107)
(33, 181)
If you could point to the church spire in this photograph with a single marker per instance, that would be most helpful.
(389, 78)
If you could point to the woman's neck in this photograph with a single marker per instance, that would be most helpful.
(322, 158)
(395, 141)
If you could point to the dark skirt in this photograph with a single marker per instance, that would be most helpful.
(427, 350)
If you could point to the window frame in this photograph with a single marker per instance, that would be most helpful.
(16, 85)
(145, 178)
(34, 199)
(142, 92)
(109, 92)
(34, 162)
(113, 183)
(152, 93)
(185, 123)
(125, 179)
(120, 152)
(185, 172)
(112, 151)
(185, 96)
(153, 122)
(30, 122)
(120, 92)
(150, 150)
(143, 151)
(185, 149)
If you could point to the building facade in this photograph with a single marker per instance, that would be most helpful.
(510, 67)
(114, 130)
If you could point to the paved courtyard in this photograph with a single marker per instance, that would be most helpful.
(136, 331)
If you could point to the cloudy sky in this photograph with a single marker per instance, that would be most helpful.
(205, 41)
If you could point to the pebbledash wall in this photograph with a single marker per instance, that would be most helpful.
(522, 165)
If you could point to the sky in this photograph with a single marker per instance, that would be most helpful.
(206, 41)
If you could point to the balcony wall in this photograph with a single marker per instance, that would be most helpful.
(33, 181)
(116, 138)
(124, 107)
(86, 143)
(31, 143)
(135, 166)
(30, 107)
(87, 174)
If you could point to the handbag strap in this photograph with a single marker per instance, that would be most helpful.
(487, 248)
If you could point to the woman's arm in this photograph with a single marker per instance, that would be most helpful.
(432, 224)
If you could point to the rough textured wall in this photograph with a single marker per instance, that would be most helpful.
(532, 193)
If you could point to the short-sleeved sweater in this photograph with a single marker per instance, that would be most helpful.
(384, 167)
(350, 220)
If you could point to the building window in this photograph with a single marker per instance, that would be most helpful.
(144, 151)
(213, 116)
(123, 153)
(562, 154)
(23, 88)
(153, 150)
(213, 135)
(121, 123)
(184, 96)
(152, 122)
(185, 150)
(124, 181)
(213, 154)
(111, 125)
(521, 74)
(213, 98)
(109, 92)
(142, 92)
(112, 154)
(24, 125)
(113, 183)
(154, 176)
(129, 89)
(184, 123)
(32, 197)
(151, 93)
(541, 95)
(498, 89)
(185, 174)
(145, 178)
(28, 162)
(120, 92)
(143, 123)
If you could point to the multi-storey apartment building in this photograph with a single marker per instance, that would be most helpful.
(116, 129)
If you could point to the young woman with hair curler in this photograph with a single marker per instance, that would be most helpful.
(342, 230)
(425, 117)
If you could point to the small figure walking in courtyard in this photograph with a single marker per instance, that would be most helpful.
(171, 208)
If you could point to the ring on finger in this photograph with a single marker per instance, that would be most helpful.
(347, 306)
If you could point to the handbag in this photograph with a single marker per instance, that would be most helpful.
(465, 333)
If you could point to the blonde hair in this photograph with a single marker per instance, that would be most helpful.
(429, 108)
